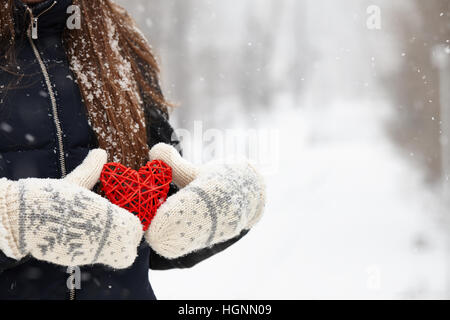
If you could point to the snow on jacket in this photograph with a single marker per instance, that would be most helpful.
(40, 141)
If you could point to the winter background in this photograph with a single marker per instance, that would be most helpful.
(349, 124)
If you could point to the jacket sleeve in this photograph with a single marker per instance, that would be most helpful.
(7, 263)
(4, 262)
(159, 263)
(159, 130)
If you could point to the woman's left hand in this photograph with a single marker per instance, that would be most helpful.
(216, 202)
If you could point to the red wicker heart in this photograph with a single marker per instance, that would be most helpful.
(140, 192)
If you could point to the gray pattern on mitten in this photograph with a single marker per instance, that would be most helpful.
(219, 202)
(63, 223)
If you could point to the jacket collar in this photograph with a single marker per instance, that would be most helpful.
(52, 16)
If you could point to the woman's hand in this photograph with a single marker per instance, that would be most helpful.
(63, 222)
(216, 202)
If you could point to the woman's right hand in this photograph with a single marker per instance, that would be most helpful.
(63, 222)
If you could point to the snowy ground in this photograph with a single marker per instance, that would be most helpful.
(347, 217)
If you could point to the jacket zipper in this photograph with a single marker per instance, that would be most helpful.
(34, 20)
(48, 83)
(33, 35)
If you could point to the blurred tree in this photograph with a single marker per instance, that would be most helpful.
(179, 53)
(302, 57)
(415, 88)
(259, 44)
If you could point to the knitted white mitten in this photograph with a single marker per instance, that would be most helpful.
(63, 222)
(216, 202)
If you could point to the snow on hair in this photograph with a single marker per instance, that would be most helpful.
(116, 72)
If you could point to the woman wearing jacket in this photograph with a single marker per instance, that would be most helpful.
(72, 99)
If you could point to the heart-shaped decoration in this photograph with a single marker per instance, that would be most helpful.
(140, 192)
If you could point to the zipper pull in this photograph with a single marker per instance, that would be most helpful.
(34, 28)
(34, 20)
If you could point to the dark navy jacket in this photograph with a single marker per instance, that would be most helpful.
(29, 147)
